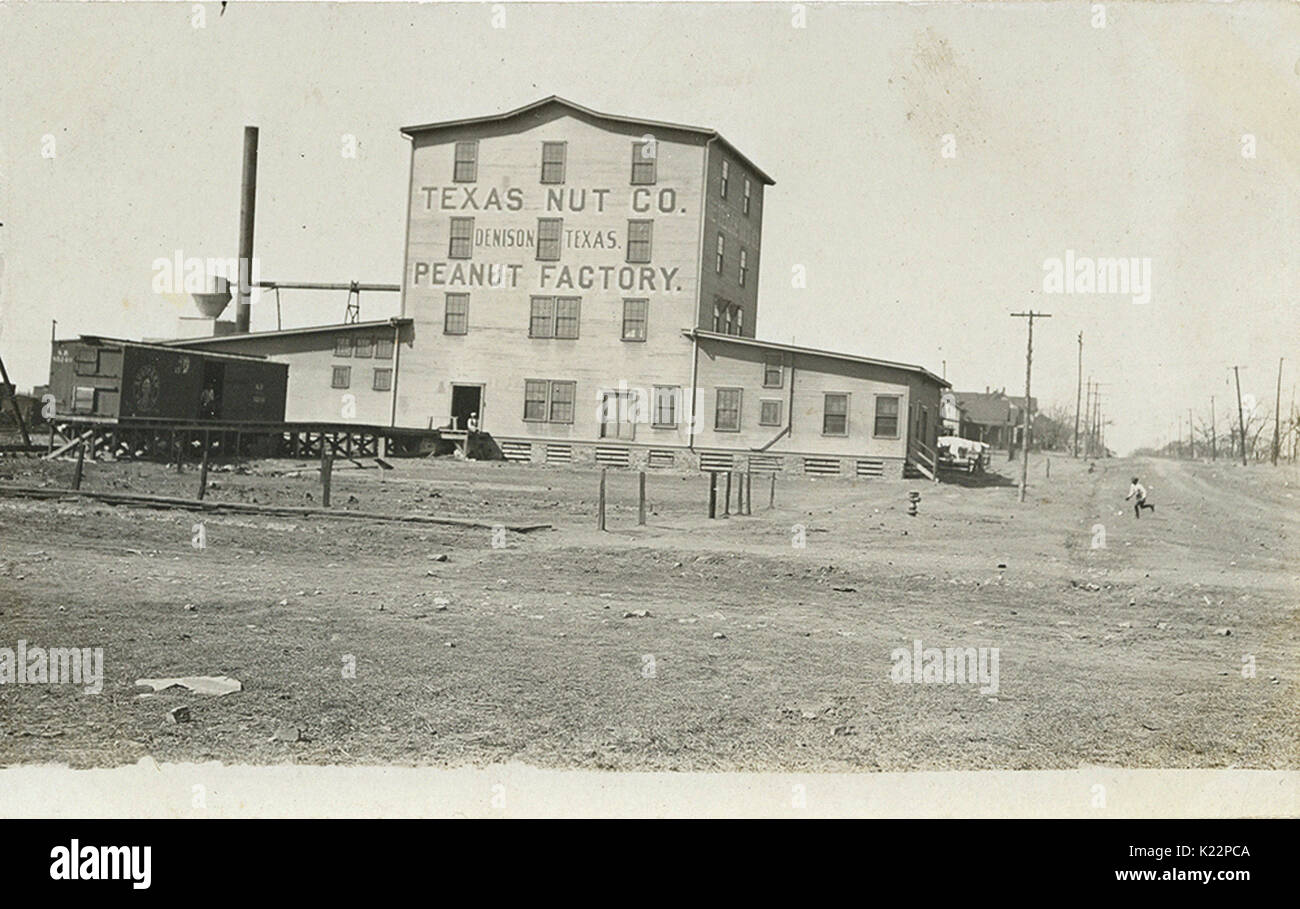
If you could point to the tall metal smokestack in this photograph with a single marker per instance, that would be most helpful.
(247, 204)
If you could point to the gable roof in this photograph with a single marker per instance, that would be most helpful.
(594, 114)
(993, 407)
(814, 352)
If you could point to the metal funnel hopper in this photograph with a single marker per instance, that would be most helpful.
(212, 303)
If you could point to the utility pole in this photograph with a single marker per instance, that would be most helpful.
(1029, 361)
(1214, 432)
(1277, 412)
(1241, 420)
(1191, 433)
(1087, 420)
(1078, 390)
(1094, 438)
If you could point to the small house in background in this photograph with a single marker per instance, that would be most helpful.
(993, 417)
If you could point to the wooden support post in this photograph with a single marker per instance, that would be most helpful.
(600, 507)
(326, 469)
(203, 466)
(749, 492)
(180, 451)
(713, 494)
(81, 461)
(726, 499)
(771, 493)
(640, 510)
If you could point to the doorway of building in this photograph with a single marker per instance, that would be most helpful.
(214, 378)
(466, 402)
(618, 415)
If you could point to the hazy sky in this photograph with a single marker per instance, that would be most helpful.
(1122, 141)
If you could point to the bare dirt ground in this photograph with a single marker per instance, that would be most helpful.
(753, 653)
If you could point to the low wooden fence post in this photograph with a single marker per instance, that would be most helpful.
(81, 462)
(600, 507)
(640, 510)
(326, 469)
(203, 465)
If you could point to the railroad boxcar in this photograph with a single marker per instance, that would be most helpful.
(112, 379)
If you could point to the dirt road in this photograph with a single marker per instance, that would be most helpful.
(761, 643)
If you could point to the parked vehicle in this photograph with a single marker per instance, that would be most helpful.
(966, 455)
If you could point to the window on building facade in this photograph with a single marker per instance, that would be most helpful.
(835, 415)
(717, 266)
(550, 235)
(635, 315)
(383, 379)
(769, 413)
(746, 197)
(773, 371)
(886, 416)
(383, 348)
(639, 235)
(726, 412)
(455, 319)
(726, 177)
(461, 245)
(549, 400)
(343, 346)
(541, 323)
(728, 318)
(363, 347)
(665, 405)
(643, 162)
(744, 267)
(466, 169)
(555, 317)
(562, 398)
(567, 310)
(535, 398)
(342, 377)
(553, 162)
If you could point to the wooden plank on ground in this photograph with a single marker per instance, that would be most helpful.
(70, 445)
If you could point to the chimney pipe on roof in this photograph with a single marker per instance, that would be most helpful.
(247, 204)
